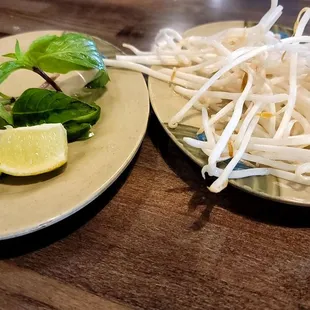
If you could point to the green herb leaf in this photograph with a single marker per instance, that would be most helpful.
(76, 131)
(101, 79)
(37, 49)
(38, 106)
(6, 100)
(40, 45)
(10, 55)
(86, 136)
(7, 68)
(6, 115)
(18, 52)
(70, 51)
(58, 54)
(18, 55)
(6, 97)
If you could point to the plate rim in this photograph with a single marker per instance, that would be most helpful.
(260, 194)
(85, 202)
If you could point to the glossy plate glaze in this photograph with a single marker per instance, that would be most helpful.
(32, 203)
(167, 103)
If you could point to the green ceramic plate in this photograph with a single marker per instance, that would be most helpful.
(166, 103)
(32, 203)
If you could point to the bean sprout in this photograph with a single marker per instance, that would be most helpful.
(252, 88)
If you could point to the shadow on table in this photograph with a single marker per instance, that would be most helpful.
(232, 199)
(42, 238)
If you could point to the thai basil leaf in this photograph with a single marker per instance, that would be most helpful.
(37, 49)
(76, 131)
(38, 106)
(2, 124)
(6, 100)
(6, 97)
(70, 51)
(40, 45)
(6, 116)
(10, 55)
(7, 68)
(18, 55)
(86, 136)
(18, 52)
(101, 79)
(58, 54)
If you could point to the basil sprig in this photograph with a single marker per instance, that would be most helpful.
(58, 54)
(38, 106)
(54, 54)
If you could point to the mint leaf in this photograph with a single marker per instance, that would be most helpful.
(70, 51)
(38, 106)
(101, 79)
(7, 68)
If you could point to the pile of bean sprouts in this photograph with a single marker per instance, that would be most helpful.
(253, 91)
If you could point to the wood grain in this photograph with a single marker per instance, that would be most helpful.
(157, 239)
(45, 292)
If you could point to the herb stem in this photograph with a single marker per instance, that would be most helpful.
(46, 78)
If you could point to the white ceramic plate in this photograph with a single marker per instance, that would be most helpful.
(32, 203)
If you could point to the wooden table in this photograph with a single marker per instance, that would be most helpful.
(170, 244)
